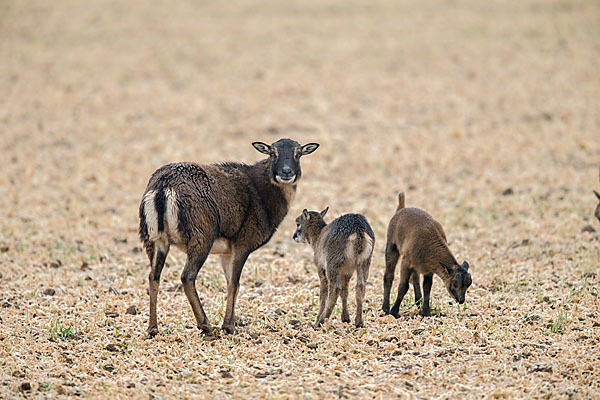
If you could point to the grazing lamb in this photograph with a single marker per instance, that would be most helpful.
(229, 209)
(342, 247)
(421, 241)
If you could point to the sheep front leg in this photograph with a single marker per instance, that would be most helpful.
(233, 286)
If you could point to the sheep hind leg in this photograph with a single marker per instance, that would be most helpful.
(195, 260)
(157, 253)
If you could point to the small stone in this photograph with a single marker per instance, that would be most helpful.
(49, 292)
(226, 374)
(56, 264)
(508, 191)
(131, 310)
(84, 266)
(588, 228)
(3, 249)
(25, 387)
(312, 345)
(130, 385)
(109, 367)
(111, 347)
(111, 314)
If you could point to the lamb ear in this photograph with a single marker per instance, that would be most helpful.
(308, 148)
(324, 211)
(262, 147)
(597, 194)
(305, 213)
(465, 265)
(448, 269)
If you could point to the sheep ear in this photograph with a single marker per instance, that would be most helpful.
(262, 147)
(465, 265)
(597, 194)
(324, 211)
(447, 268)
(305, 213)
(308, 148)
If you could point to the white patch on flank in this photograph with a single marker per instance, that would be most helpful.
(368, 249)
(151, 216)
(350, 247)
(171, 215)
(221, 246)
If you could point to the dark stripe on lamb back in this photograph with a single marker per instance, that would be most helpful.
(143, 228)
(159, 204)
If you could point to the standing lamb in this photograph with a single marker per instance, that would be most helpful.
(340, 248)
(421, 241)
(229, 209)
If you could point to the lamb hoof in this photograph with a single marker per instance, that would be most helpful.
(152, 331)
(425, 313)
(228, 329)
(359, 324)
(317, 324)
(385, 309)
(345, 318)
(206, 329)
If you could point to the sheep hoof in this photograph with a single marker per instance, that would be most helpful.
(152, 331)
(228, 329)
(206, 329)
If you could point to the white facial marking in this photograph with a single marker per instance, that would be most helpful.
(281, 180)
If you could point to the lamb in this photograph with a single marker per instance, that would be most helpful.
(340, 248)
(229, 209)
(421, 241)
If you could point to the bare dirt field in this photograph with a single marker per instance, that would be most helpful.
(486, 113)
